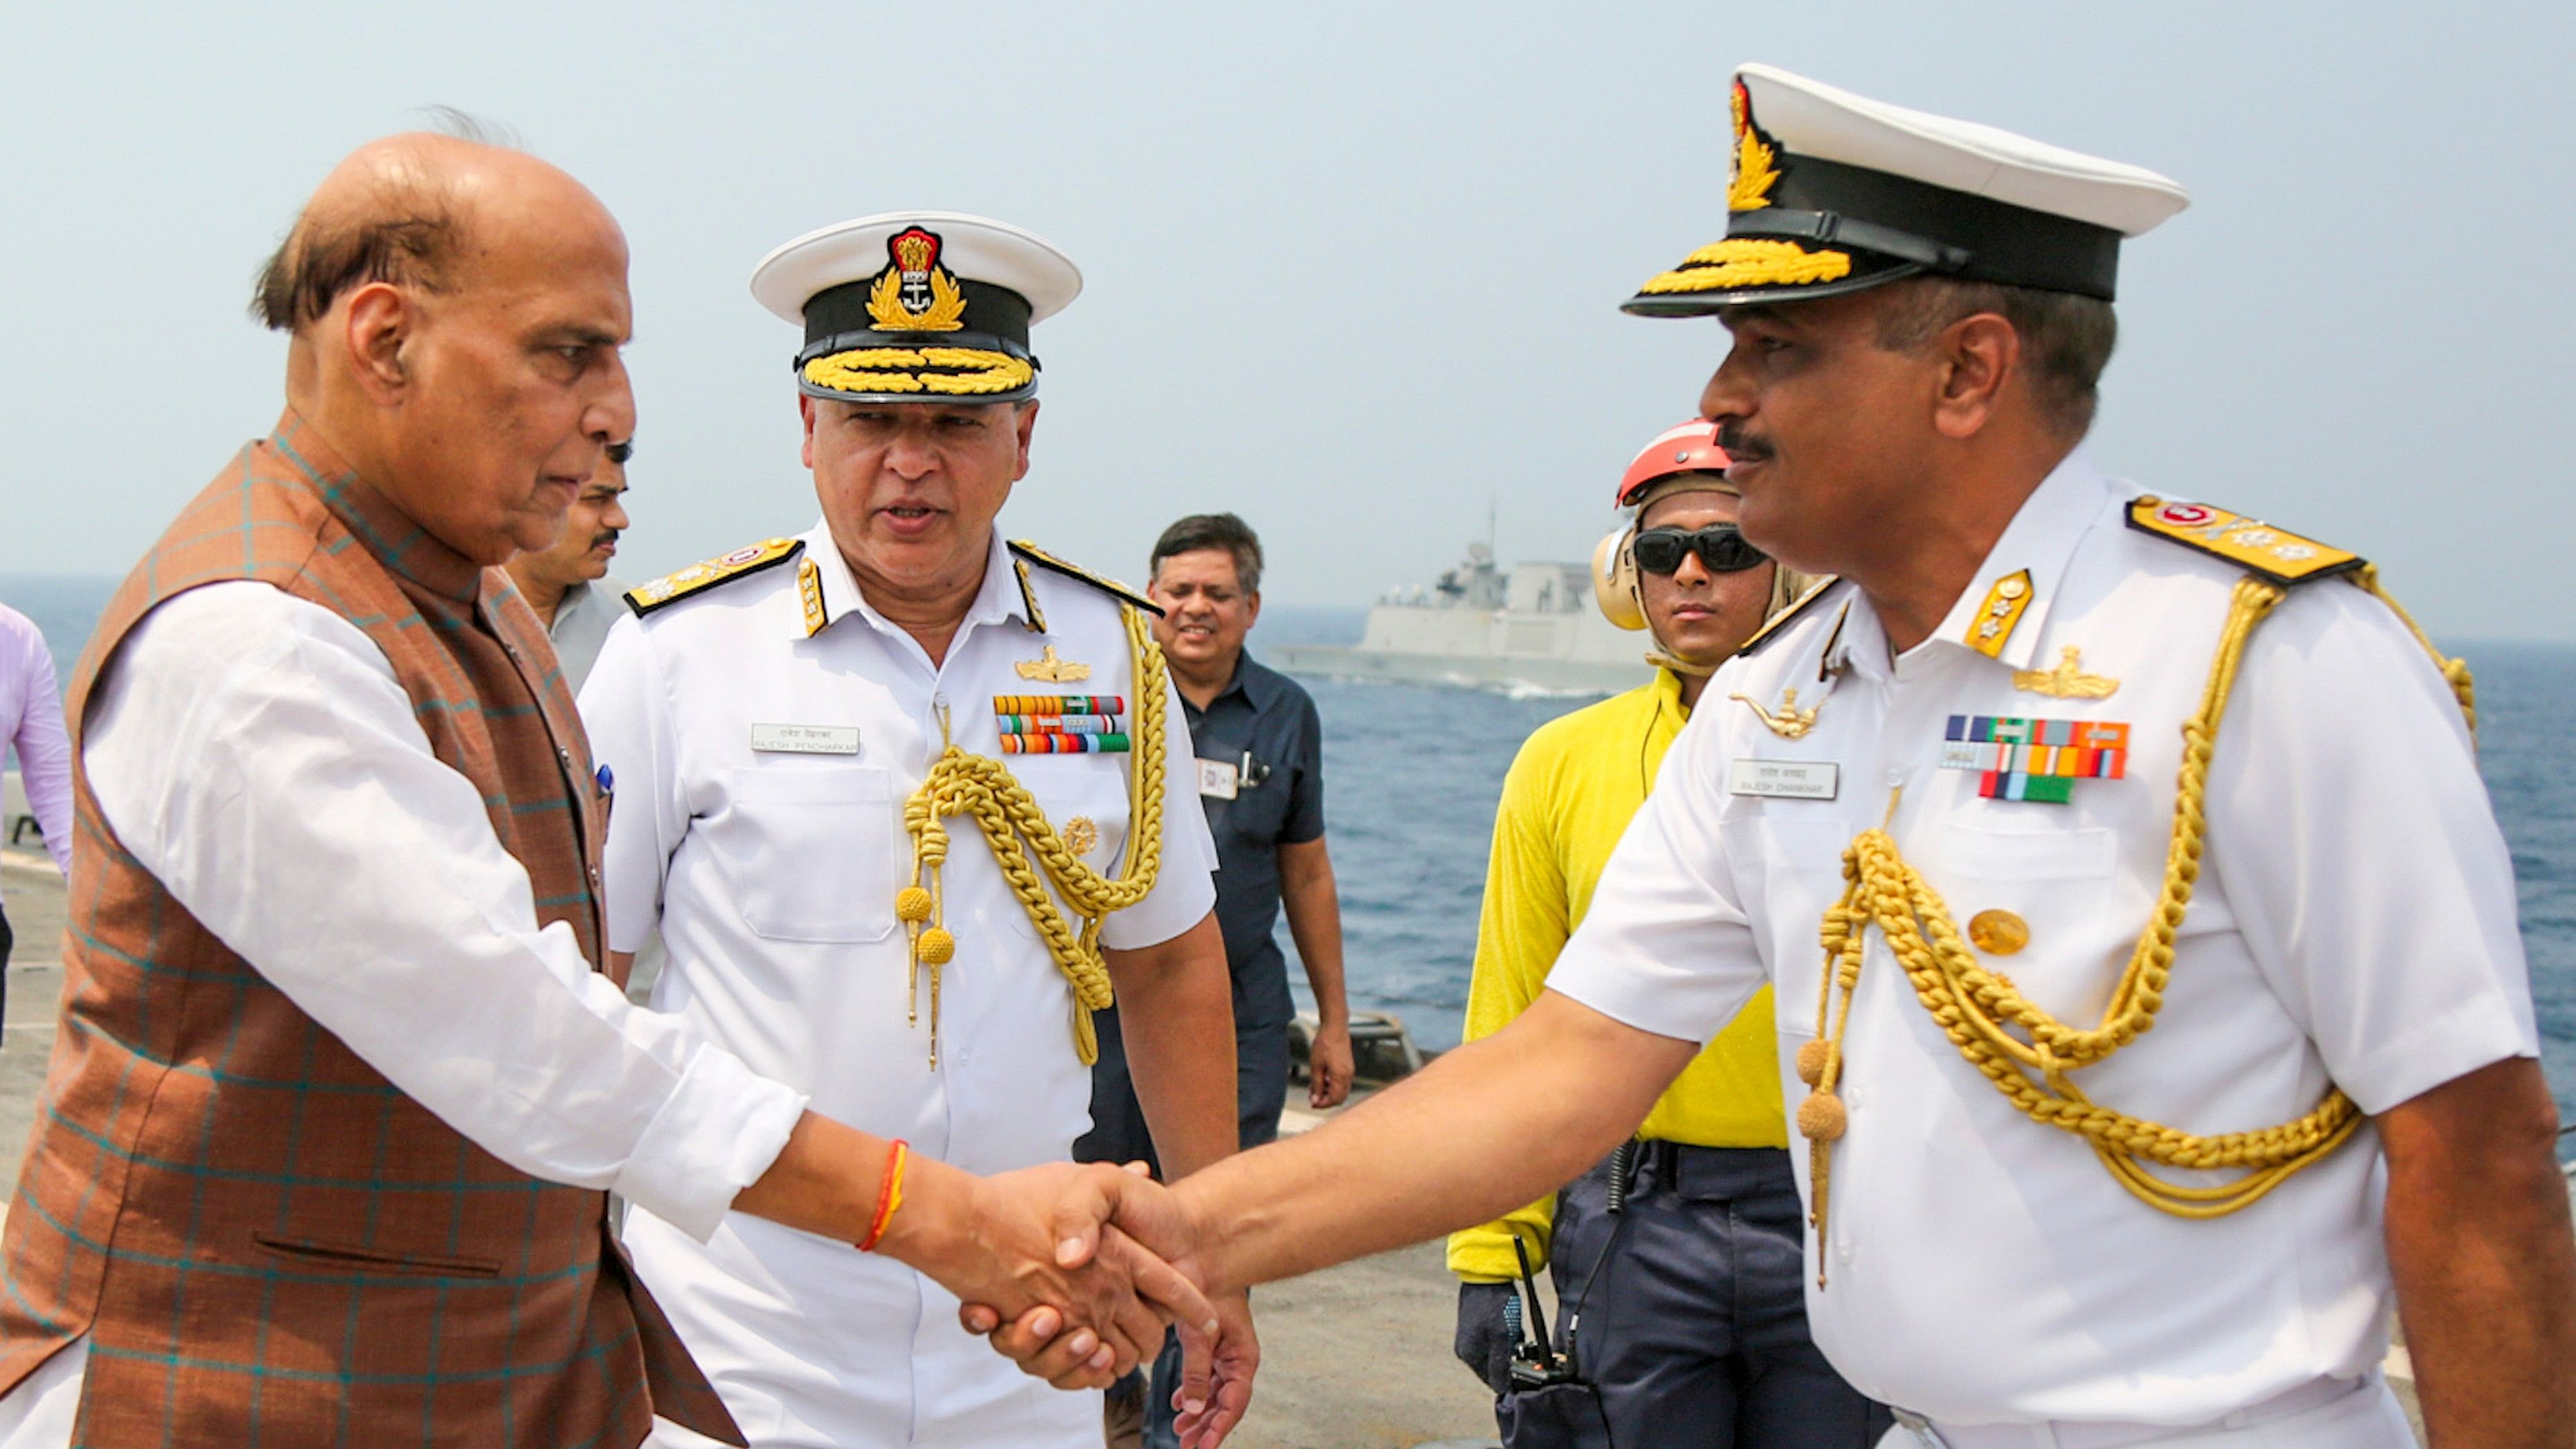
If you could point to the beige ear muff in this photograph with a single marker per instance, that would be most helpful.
(1614, 579)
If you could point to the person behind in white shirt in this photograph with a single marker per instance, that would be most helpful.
(31, 723)
(900, 800)
(2055, 762)
(568, 584)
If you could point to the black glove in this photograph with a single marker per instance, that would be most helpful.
(1486, 1336)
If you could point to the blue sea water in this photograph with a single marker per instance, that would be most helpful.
(1412, 774)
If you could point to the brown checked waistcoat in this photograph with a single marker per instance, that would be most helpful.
(264, 1240)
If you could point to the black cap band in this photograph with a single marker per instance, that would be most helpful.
(1974, 238)
(998, 314)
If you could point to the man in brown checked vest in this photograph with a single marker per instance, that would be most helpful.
(340, 1085)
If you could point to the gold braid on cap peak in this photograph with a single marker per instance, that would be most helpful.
(1979, 1010)
(874, 369)
(964, 784)
(1747, 262)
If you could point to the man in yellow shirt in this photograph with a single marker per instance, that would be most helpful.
(1684, 1304)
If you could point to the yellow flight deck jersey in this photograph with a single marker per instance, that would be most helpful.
(1567, 800)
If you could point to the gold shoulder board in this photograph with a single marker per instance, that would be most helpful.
(697, 578)
(1797, 606)
(1045, 560)
(2272, 553)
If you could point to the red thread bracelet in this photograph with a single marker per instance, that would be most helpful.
(889, 1194)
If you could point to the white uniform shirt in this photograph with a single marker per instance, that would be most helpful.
(772, 876)
(2354, 925)
(256, 754)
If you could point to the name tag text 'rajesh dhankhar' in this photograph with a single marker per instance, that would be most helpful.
(796, 739)
(1784, 779)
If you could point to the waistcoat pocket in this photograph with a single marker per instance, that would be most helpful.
(333, 1257)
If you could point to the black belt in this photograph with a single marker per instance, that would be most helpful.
(1709, 1172)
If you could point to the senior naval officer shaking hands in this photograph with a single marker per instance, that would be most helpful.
(2171, 1016)
(899, 797)
(324, 1144)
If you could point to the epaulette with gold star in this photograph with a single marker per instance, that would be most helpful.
(697, 578)
(2275, 554)
(1027, 553)
(1796, 606)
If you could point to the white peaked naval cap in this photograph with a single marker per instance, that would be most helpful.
(1830, 192)
(1811, 118)
(917, 306)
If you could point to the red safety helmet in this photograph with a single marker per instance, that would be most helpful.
(1690, 448)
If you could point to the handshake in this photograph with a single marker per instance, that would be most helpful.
(1072, 1271)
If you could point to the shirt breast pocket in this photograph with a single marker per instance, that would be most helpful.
(1259, 810)
(2034, 904)
(815, 852)
(1787, 867)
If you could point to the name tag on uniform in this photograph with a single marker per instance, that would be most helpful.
(1784, 779)
(796, 739)
(1217, 779)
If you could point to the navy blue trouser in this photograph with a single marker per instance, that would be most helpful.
(1118, 1122)
(1694, 1325)
(1118, 1135)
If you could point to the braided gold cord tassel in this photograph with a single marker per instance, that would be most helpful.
(1019, 834)
(2027, 1053)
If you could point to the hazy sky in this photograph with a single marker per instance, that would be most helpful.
(1353, 271)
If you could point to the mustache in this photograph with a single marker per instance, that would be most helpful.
(605, 535)
(1741, 446)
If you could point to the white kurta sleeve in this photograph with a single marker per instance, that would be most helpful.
(2360, 855)
(257, 755)
(1664, 946)
(1185, 891)
(626, 710)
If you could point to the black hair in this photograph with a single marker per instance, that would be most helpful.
(2066, 338)
(1212, 530)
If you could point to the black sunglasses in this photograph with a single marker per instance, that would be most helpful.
(1720, 546)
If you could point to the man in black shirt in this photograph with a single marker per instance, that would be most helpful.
(1260, 775)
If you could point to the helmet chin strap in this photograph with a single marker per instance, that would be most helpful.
(1662, 655)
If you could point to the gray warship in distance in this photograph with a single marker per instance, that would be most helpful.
(1532, 628)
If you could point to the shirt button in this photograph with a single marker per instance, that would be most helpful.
(594, 877)
(1895, 778)
(565, 755)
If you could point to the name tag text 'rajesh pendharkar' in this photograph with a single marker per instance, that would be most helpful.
(799, 739)
(1784, 779)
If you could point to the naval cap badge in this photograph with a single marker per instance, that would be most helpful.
(1748, 185)
(915, 293)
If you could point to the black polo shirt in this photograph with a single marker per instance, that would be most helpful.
(1264, 725)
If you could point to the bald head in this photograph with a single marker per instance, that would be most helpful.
(421, 210)
(456, 312)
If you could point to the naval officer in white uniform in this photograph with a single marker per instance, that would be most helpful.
(767, 722)
(2170, 1023)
